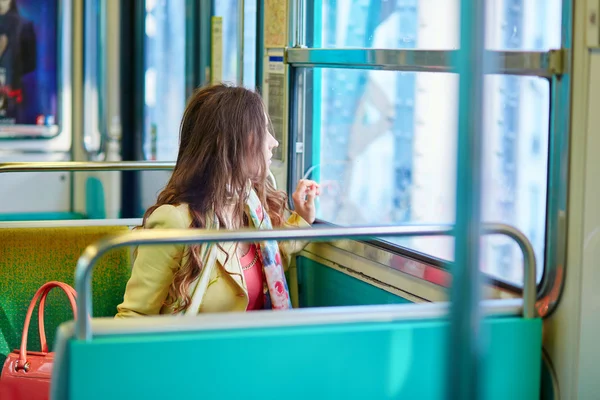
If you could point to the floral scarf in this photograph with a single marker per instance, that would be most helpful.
(275, 290)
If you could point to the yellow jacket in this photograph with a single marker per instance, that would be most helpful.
(155, 266)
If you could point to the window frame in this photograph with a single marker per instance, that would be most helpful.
(551, 64)
(428, 260)
(311, 147)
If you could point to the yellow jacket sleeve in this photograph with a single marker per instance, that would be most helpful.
(153, 268)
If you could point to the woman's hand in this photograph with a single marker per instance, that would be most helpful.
(304, 199)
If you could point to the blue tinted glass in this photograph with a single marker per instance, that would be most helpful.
(387, 144)
(249, 79)
(230, 11)
(165, 77)
(425, 24)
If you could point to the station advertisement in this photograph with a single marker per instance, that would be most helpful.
(28, 62)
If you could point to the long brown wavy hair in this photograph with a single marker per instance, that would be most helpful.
(223, 135)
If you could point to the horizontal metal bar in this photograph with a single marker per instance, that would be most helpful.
(85, 166)
(71, 223)
(525, 63)
(93, 252)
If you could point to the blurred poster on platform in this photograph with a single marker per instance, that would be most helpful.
(28, 63)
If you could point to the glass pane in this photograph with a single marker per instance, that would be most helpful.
(92, 137)
(426, 24)
(229, 10)
(165, 74)
(385, 152)
(250, 43)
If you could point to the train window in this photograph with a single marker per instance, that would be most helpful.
(92, 137)
(166, 44)
(250, 38)
(165, 77)
(229, 11)
(239, 40)
(434, 25)
(383, 145)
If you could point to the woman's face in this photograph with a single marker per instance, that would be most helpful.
(4, 6)
(270, 144)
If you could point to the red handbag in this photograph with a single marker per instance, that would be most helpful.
(26, 374)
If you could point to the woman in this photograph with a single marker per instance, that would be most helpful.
(220, 181)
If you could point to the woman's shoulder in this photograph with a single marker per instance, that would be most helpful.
(170, 216)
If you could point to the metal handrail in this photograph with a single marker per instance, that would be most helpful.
(521, 63)
(86, 166)
(87, 261)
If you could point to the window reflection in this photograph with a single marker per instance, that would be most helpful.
(230, 11)
(434, 24)
(388, 156)
(165, 73)
(388, 139)
(250, 17)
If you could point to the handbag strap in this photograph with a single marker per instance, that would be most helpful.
(41, 309)
(41, 292)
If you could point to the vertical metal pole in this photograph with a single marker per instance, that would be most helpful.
(205, 11)
(240, 27)
(296, 93)
(558, 166)
(260, 44)
(464, 345)
(102, 42)
(298, 20)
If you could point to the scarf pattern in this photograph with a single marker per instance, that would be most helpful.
(275, 289)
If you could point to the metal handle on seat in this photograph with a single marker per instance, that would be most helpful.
(87, 261)
(86, 166)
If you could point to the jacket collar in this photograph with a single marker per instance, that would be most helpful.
(226, 251)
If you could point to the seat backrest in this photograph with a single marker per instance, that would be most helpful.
(370, 352)
(32, 256)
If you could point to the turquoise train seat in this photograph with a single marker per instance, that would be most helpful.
(361, 352)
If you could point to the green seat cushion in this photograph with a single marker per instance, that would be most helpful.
(30, 257)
